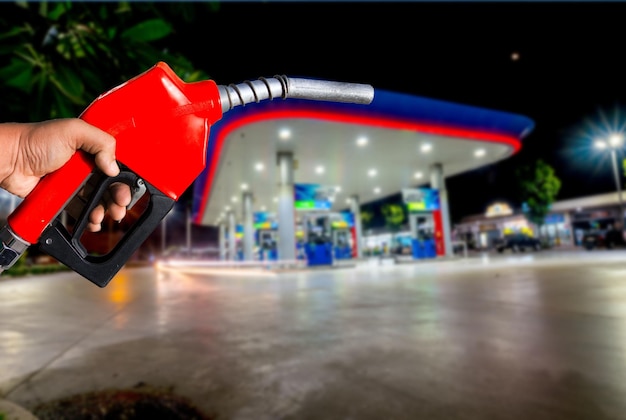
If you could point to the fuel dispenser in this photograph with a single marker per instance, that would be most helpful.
(266, 235)
(425, 222)
(342, 225)
(423, 235)
(319, 245)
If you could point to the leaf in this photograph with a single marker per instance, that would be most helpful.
(69, 83)
(149, 30)
(62, 109)
(16, 30)
(57, 11)
(17, 74)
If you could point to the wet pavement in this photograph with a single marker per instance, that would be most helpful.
(534, 336)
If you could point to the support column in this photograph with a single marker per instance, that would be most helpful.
(188, 229)
(286, 216)
(358, 228)
(222, 241)
(413, 225)
(437, 181)
(163, 234)
(248, 227)
(232, 238)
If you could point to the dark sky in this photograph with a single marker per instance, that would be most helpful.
(572, 68)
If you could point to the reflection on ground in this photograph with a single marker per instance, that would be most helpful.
(537, 335)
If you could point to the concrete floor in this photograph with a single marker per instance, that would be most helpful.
(535, 336)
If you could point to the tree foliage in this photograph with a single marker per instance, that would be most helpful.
(57, 57)
(539, 187)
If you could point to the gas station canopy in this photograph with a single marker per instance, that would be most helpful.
(369, 151)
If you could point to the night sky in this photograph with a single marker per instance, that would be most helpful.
(568, 76)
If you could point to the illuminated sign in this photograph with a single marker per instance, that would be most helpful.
(498, 209)
(421, 199)
(313, 197)
(264, 220)
(343, 220)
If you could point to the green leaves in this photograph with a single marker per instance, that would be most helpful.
(57, 57)
(539, 187)
(147, 31)
(17, 74)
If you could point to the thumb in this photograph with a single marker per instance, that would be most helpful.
(101, 144)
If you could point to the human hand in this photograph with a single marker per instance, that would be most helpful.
(32, 150)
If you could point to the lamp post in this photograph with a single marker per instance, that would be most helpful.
(614, 142)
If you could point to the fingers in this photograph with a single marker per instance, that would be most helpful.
(95, 219)
(118, 198)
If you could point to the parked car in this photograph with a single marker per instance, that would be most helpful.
(518, 242)
(609, 239)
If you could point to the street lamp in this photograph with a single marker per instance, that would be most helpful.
(613, 143)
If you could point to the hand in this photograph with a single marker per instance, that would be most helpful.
(32, 150)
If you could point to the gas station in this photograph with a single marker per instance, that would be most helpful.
(311, 165)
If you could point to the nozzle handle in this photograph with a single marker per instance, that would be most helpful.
(291, 87)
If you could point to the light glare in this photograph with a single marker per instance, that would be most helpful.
(284, 134)
(616, 140)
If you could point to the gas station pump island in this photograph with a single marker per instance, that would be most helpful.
(328, 236)
(324, 237)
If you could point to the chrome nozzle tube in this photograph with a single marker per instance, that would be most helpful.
(284, 87)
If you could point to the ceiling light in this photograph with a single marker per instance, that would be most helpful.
(418, 175)
(480, 153)
(262, 208)
(426, 147)
(319, 170)
(233, 199)
(361, 141)
(372, 172)
(348, 200)
(275, 199)
(284, 134)
(244, 187)
(337, 189)
(259, 166)
(376, 190)
(227, 208)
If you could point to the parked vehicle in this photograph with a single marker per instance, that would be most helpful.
(518, 242)
(609, 239)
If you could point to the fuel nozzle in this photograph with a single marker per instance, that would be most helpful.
(290, 87)
(11, 248)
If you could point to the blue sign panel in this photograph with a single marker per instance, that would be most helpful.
(312, 197)
(421, 199)
(264, 220)
(342, 220)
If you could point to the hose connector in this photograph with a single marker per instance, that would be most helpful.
(11, 248)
